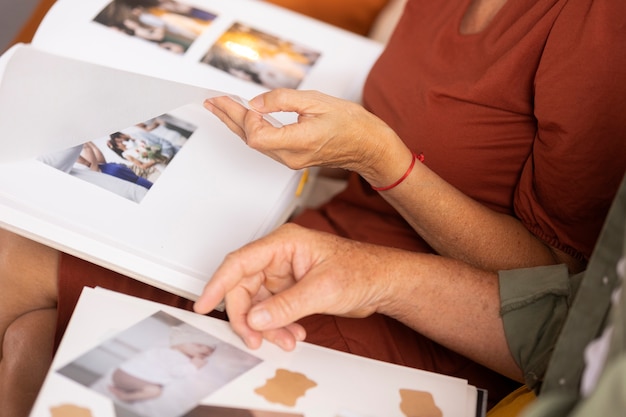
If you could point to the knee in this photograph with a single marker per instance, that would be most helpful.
(29, 341)
(28, 350)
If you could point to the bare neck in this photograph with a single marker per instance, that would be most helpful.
(479, 14)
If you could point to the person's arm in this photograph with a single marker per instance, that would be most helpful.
(336, 133)
(457, 226)
(153, 125)
(295, 272)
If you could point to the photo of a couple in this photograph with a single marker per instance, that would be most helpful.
(170, 25)
(129, 161)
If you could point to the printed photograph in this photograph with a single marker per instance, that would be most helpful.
(169, 24)
(127, 162)
(160, 367)
(215, 411)
(261, 58)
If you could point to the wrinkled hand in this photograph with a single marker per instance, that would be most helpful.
(294, 272)
(329, 132)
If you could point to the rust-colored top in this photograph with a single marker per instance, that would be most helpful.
(528, 116)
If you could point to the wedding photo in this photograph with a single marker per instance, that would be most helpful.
(127, 162)
(169, 24)
(261, 58)
(216, 411)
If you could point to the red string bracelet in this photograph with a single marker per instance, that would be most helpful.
(416, 157)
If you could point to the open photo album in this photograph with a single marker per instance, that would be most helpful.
(108, 153)
(127, 357)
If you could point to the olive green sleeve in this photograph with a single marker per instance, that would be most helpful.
(534, 305)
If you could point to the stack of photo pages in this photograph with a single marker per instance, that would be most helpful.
(108, 153)
(127, 357)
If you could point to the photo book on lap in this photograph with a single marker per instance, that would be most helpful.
(108, 153)
(123, 356)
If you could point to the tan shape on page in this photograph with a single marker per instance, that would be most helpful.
(69, 410)
(418, 404)
(285, 387)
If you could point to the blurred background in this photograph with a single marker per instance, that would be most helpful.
(13, 14)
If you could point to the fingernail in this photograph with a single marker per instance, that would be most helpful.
(259, 318)
(287, 344)
(257, 102)
(300, 335)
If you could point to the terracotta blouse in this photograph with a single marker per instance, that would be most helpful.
(528, 116)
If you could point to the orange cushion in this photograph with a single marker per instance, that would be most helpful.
(513, 404)
(28, 30)
(354, 15)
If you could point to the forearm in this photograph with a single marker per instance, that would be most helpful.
(295, 272)
(458, 227)
(451, 303)
(461, 228)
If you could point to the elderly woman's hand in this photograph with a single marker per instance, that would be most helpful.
(294, 272)
(329, 132)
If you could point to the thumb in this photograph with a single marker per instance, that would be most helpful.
(285, 308)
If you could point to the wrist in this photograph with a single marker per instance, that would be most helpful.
(380, 156)
(414, 160)
(392, 167)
